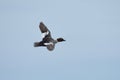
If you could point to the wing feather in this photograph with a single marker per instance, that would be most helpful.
(45, 31)
(50, 47)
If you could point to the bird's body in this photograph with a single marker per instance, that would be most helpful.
(47, 40)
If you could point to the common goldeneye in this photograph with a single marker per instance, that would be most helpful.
(47, 40)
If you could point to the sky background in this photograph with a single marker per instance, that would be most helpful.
(91, 29)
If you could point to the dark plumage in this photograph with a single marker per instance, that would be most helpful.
(47, 40)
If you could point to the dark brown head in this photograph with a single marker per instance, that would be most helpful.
(60, 39)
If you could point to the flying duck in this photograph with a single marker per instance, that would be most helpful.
(47, 40)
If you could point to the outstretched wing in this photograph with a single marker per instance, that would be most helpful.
(44, 30)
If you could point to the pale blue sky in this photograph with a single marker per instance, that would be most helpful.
(91, 29)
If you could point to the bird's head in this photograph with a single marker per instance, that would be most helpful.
(60, 40)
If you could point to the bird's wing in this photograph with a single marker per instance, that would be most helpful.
(50, 47)
(45, 31)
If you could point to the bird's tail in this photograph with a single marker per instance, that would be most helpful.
(36, 44)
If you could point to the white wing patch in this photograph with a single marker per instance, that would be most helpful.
(44, 34)
(50, 43)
